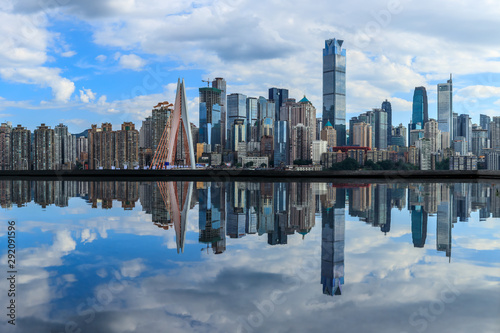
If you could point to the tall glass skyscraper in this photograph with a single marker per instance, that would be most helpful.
(210, 130)
(334, 87)
(278, 96)
(445, 107)
(386, 106)
(420, 112)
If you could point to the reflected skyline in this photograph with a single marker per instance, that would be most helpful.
(275, 210)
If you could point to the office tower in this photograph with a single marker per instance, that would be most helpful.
(484, 121)
(281, 143)
(445, 107)
(432, 133)
(127, 146)
(455, 125)
(399, 135)
(495, 133)
(361, 135)
(236, 115)
(102, 147)
(43, 156)
(387, 107)
(252, 119)
(381, 126)
(220, 83)
(210, 130)
(464, 129)
(266, 110)
(418, 226)
(146, 133)
(21, 148)
(64, 148)
(420, 114)
(334, 87)
(479, 140)
(5, 147)
(279, 96)
(329, 135)
(82, 148)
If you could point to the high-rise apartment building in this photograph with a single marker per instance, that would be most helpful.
(160, 115)
(102, 147)
(445, 107)
(127, 146)
(400, 135)
(479, 140)
(433, 134)
(43, 150)
(64, 148)
(420, 113)
(334, 87)
(387, 107)
(278, 96)
(5, 147)
(145, 133)
(82, 148)
(361, 135)
(21, 148)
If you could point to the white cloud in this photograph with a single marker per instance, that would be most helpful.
(101, 58)
(86, 95)
(132, 61)
(479, 91)
(68, 54)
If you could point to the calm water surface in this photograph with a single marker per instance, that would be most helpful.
(252, 257)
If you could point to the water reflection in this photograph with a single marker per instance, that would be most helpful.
(237, 209)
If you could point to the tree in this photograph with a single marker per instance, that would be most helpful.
(263, 165)
(248, 164)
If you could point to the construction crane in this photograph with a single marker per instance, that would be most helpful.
(207, 81)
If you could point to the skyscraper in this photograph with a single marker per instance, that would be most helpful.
(252, 119)
(334, 87)
(21, 148)
(381, 125)
(445, 107)
(420, 112)
(387, 107)
(210, 130)
(127, 146)
(5, 147)
(464, 129)
(236, 112)
(495, 133)
(484, 121)
(44, 148)
(220, 83)
(64, 147)
(278, 95)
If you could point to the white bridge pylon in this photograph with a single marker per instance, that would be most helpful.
(180, 111)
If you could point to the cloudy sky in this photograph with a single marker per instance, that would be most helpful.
(83, 62)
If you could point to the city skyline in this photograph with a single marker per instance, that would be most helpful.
(69, 63)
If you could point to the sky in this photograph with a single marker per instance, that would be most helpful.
(87, 62)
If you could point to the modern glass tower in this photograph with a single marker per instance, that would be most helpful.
(210, 116)
(386, 106)
(334, 87)
(445, 107)
(278, 96)
(420, 112)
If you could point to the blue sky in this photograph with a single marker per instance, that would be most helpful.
(84, 62)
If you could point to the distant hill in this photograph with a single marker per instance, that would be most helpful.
(84, 133)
